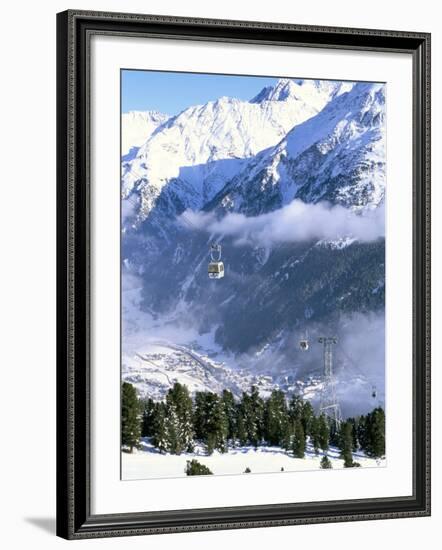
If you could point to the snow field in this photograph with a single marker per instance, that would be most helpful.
(148, 462)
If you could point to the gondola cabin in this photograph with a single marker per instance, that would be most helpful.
(216, 270)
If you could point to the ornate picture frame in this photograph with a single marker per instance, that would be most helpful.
(75, 517)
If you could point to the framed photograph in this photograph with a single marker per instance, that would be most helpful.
(243, 274)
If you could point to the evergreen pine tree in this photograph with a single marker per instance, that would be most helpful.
(334, 432)
(323, 433)
(159, 431)
(314, 434)
(241, 432)
(195, 468)
(257, 412)
(200, 415)
(276, 418)
(216, 424)
(172, 429)
(325, 463)
(307, 417)
(253, 415)
(295, 408)
(361, 432)
(148, 414)
(287, 436)
(230, 411)
(179, 399)
(298, 444)
(375, 445)
(353, 422)
(210, 442)
(130, 420)
(346, 443)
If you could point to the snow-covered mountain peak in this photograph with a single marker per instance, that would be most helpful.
(226, 100)
(138, 126)
(316, 93)
(284, 89)
(195, 153)
(153, 115)
(337, 155)
(332, 87)
(355, 112)
(303, 136)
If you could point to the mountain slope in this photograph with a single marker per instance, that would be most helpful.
(192, 156)
(338, 155)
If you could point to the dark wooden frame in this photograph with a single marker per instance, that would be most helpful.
(74, 519)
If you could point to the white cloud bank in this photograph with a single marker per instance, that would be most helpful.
(296, 222)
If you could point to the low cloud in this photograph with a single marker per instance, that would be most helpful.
(296, 222)
(128, 209)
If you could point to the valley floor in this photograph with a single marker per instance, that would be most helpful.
(148, 462)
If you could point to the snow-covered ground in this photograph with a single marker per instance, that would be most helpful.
(148, 462)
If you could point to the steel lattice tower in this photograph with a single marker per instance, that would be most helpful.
(329, 404)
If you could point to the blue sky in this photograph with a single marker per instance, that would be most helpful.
(171, 92)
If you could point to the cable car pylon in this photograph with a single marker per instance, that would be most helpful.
(329, 405)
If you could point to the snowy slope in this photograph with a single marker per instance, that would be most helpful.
(191, 157)
(137, 127)
(154, 372)
(148, 462)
